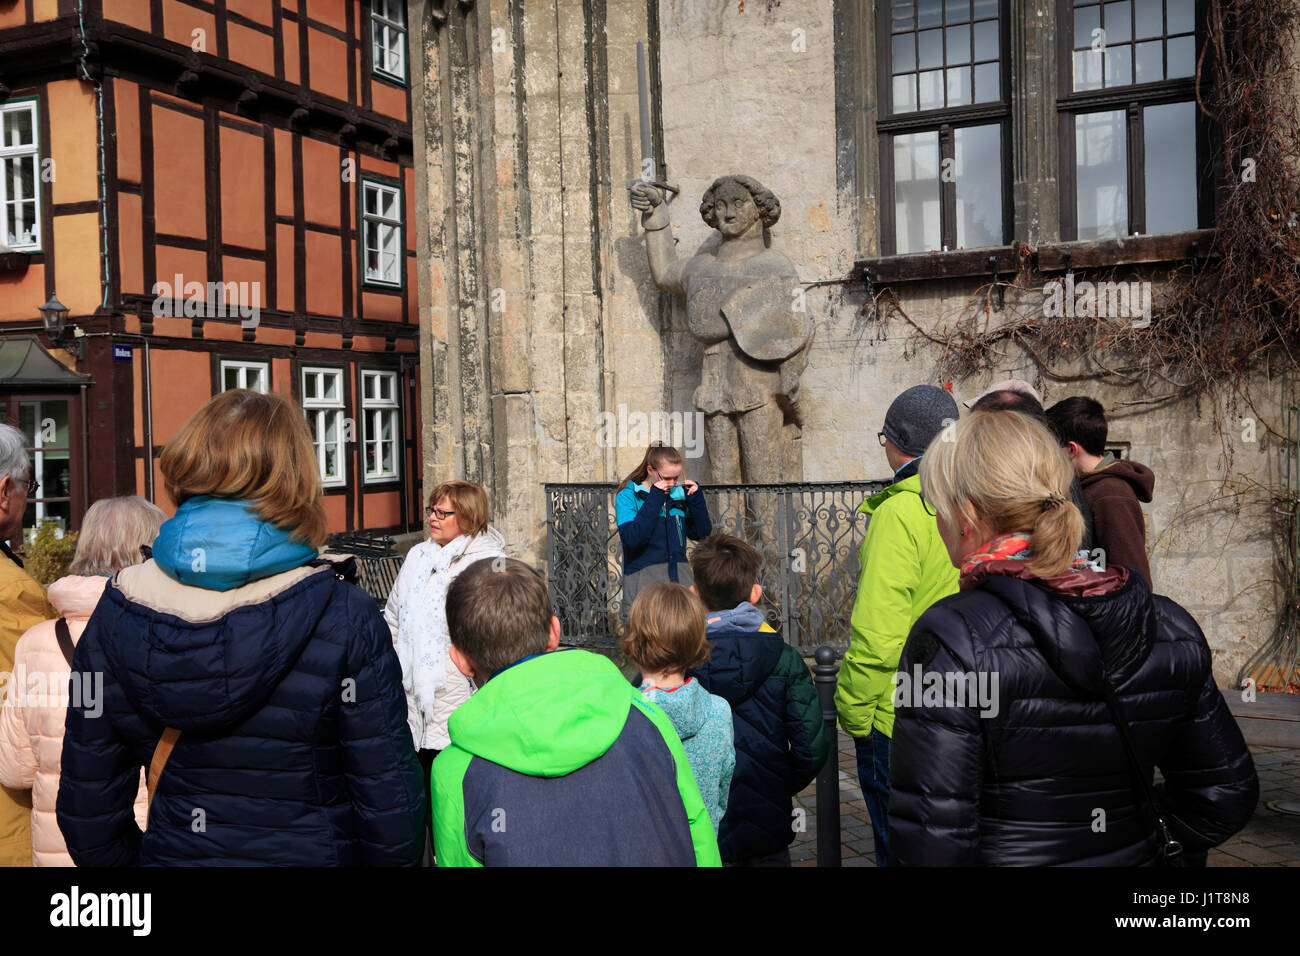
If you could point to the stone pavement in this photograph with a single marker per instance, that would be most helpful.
(1269, 839)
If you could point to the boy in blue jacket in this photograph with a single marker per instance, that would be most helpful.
(780, 735)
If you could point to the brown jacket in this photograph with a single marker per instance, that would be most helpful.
(22, 605)
(1115, 491)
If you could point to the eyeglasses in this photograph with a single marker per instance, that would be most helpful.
(676, 479)
(881, 436)
(439, 514)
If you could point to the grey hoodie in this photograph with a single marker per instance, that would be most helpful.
(703, 721)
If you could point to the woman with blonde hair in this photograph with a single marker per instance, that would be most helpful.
(257, 684)
(459, 535)
(1036, 701)
(113, 535)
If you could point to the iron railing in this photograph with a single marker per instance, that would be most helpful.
(377, 561)
(808, 535)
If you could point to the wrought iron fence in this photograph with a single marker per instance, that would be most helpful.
(377, 561)
(808, 535)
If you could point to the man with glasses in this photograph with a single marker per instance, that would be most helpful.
(905, 569)
(22, 605)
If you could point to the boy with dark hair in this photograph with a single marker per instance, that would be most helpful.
(556, 761)
(1114, 487)
(781, 738)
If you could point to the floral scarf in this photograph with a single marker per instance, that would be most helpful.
(1015, 547)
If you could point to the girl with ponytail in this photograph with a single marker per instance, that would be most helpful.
(1048, 687)
(657, 509)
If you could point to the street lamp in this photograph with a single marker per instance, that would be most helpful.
(55, 316)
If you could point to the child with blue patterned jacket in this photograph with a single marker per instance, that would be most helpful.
(665, 638)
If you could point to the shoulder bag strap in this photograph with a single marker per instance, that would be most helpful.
(65, 639)
(160, 755)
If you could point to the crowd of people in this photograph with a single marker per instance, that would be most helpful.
(224, 666)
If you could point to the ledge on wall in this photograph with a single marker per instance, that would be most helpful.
(1049, 257)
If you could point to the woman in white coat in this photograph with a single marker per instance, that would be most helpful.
(31, 722)
(459, 535)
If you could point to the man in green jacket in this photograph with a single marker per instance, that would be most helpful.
(556, 761)
(905, 569)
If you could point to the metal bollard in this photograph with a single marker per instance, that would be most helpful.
(825, 673)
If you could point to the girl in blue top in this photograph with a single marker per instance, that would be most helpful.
(657, 510)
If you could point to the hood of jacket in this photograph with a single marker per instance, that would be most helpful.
(201, 660)
(687, 706)
(75, 595)
(220, 543)
(1090, 626)
(546, 716)
(745, 651)
(1140, 477)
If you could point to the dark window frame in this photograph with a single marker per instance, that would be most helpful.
(945, 121)
(1133, 100)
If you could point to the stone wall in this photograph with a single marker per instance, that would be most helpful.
(540, 315)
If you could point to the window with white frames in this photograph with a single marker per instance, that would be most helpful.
(236, 373)
(380, 424)
(388, 38)
(322, 402)
(20, 209)
(381, 215)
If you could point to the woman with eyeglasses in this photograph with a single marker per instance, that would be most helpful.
(459, 535)
(904, 570)
(657, 509)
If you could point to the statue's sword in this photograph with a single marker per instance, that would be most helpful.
(647, 150)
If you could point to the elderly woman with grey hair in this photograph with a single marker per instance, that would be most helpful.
(112, 536)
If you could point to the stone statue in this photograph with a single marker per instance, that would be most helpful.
(744, 305)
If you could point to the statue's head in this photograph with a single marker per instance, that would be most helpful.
(734, 203)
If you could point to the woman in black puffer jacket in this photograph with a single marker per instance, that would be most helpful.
(1005, 751)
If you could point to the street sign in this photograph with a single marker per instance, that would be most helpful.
(122, 352)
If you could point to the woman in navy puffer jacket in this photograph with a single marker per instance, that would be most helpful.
(1005, 751)
(279, 674)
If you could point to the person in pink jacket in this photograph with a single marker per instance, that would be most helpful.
(31, 721)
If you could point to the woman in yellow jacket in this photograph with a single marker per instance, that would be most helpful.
(905, 569)
(22, 605)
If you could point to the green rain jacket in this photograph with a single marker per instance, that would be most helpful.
(905, 569)
(558, 761)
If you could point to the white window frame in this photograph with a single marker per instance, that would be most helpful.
(373, 412)
(7, 155)
(243, 367)
(319, 410)
(394, 223)
(387, 24)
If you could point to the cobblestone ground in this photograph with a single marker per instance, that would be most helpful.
(1270, 839)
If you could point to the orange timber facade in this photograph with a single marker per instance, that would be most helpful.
(221, 193)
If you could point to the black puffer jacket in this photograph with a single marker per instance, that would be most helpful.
(1044, 780)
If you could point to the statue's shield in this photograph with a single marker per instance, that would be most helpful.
(764, 318)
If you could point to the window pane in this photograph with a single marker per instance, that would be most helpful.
(367, 386)
(310, 385)
(230, 378)
(904, 53)
(1119, 65)
(916, 192)
(931, 89)
(331, 381)
(1086, 19)
(1181, 16)
(371, 199)
(1150, 62)
(18, 128)
(930, 43)
(958, 44)
(904, 15)
(1101, 166)
(1150, 18)
(986, 40)
(1170, 166)
(977, 168)
(987, 83)
(1182, 57)
(929, 13)
(986, 8)
(905, 93)
(958, 11)
(959, 92)
(1087, 69)
(1118, 22)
